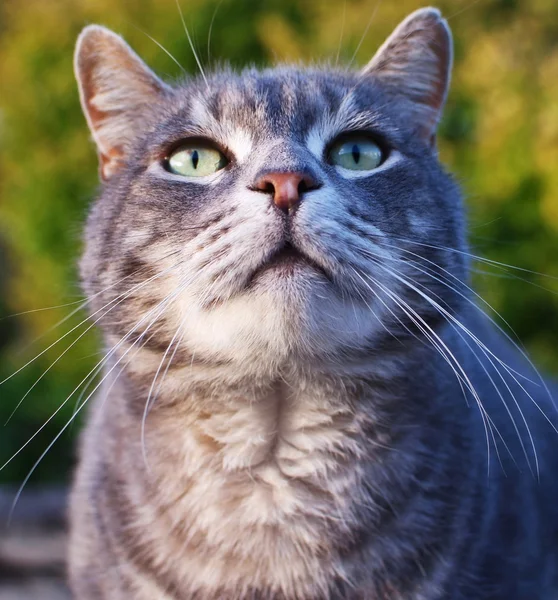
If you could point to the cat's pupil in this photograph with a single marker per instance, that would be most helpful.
(195, 159)
(356, 153)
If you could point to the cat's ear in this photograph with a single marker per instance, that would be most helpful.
(415, 62)
(116, 90)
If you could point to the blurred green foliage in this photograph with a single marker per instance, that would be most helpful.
(500, 136)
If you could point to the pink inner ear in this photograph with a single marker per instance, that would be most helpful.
(110, 155)
(110, 163)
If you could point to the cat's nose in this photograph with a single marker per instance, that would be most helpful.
(286, 189)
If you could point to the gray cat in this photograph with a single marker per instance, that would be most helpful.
(301, 399)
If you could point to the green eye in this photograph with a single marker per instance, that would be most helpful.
(195, 160)
(357, 153)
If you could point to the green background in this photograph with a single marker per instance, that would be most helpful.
(499, 135)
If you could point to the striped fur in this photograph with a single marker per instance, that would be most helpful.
(348, 428)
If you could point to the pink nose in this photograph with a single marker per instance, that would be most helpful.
(286, 189)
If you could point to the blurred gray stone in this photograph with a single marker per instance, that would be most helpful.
(35, 589)
(33, 544)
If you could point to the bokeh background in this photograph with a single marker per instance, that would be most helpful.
(499, 135)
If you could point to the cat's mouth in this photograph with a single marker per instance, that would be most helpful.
(288, 261)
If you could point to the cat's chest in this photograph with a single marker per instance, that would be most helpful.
(272, 453)
(265, 487)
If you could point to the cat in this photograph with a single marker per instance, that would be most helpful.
(301, 399)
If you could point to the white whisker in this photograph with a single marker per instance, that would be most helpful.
(163, 49)
(121, 298)
(480, 258)
(89, 300)
(160, 307)
(148, 402)
(100, 363)
(342, 32)
(485, 351)
(378, 3)
(196, 57)
(442, 348)
(211, 30)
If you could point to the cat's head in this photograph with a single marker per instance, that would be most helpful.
(289, 212)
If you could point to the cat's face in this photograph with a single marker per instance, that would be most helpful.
(271, 214)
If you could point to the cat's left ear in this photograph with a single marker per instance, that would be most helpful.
(415, 63)
(117, 91)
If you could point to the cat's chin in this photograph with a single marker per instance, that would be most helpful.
(284, 316)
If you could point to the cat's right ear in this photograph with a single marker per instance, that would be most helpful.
(116, 89)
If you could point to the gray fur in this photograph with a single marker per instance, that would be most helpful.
(301, 435)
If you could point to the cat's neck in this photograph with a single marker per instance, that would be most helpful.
(248, 421)
(292, 470)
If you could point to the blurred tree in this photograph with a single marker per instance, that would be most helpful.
(500, 136)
